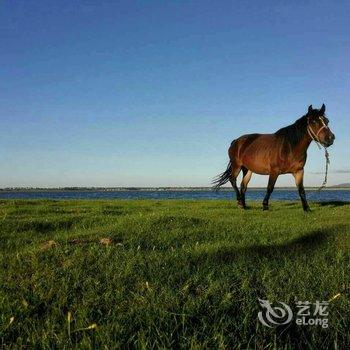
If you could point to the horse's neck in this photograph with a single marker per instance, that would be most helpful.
(301, 147)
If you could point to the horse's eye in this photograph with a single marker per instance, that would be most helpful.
(313, 122)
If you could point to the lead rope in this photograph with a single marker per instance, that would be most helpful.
(326, 154)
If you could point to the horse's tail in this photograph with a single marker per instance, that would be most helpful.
(222, 178)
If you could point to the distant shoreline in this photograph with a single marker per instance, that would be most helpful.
(149, 189)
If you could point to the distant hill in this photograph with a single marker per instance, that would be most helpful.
(346, 184)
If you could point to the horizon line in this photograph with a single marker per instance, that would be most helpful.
(130, 188)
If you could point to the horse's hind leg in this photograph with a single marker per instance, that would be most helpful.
(235, 169)
(247, 174)
(270, 187)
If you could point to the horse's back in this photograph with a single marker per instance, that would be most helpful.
(252, 141)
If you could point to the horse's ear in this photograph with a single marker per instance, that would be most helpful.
(310, 109)
(323, 109)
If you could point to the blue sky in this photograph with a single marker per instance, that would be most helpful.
(151, 93)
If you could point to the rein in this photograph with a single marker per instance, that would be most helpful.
(315, 138)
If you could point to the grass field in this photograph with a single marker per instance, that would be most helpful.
(169, 273)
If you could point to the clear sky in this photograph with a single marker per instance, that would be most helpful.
(151, 93)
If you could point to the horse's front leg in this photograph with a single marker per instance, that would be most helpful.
(270, 187)
(299, 181)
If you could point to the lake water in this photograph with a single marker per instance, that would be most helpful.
(254, 194)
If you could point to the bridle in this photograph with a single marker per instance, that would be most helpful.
(314, 137)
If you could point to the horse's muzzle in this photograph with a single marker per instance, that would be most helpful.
(329, 140)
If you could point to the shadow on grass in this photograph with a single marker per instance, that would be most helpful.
(333, 203)
(303, 245)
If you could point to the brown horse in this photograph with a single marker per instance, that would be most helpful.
(283, 152)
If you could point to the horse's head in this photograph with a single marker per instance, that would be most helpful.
(317, 126)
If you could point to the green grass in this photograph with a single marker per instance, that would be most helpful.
(178, 273)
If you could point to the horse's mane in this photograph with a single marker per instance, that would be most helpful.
(295, 132)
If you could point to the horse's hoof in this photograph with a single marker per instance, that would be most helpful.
(241, 205)
(307, 210)
(265, 207)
